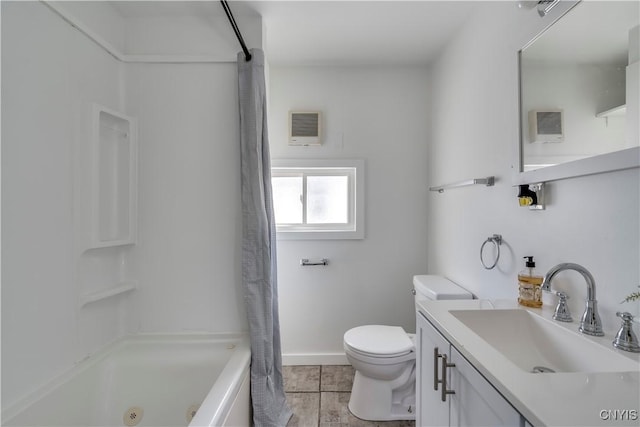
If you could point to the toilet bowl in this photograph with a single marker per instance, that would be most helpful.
(384, 384)
(384, 359)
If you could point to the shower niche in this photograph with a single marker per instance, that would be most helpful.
(114, 185)
(106, 205)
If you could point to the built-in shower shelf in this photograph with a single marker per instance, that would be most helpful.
(114, 192)
(122, 288)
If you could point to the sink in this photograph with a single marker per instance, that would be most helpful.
(538, 345)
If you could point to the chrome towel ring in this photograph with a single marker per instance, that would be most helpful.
(496, 239)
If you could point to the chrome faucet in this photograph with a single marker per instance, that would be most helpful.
(590, 323)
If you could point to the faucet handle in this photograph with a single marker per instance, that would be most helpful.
(625, 338)
(562, 313)
(626, 316)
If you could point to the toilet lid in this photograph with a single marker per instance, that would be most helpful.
(379, 339)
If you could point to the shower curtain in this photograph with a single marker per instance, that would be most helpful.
(259, 247)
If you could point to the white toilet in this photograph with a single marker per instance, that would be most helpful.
(384, 387)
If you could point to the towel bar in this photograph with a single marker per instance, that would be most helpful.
(488, 181)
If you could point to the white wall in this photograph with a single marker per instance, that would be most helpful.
(50, 76)
(171, 30)
(99, 17)
(379, 115)
(202, 34)
(593, 221)
(188, 254)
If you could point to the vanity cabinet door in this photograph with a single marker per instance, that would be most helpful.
(476, 402)
(431, 410)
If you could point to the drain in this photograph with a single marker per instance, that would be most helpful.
(133, 416)
(541, 370)
(191, 412)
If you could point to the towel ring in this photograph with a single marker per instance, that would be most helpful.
(496, 239)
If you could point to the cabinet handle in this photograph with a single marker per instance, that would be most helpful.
(436, 381)
(445, 365)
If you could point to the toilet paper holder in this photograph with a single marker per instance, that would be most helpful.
(305, 262)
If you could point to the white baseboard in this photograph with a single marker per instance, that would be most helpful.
(292, 359)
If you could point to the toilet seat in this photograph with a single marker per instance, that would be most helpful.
(377, 360)
(380, 341)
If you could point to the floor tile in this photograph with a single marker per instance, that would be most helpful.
(305, 407)
(337, 378)
(301, 378)
(334, 411)
(326, 408)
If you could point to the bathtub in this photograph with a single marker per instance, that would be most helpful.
(147, 380)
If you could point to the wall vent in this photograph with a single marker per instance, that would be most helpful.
(304, 128)
(546, 126)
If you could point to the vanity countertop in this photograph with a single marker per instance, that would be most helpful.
(556, 399)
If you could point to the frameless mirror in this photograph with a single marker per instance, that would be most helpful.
(579, 94)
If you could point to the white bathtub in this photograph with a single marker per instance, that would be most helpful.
(148, 380)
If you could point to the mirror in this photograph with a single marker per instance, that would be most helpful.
(579, 94)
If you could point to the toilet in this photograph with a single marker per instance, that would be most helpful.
(384, 358)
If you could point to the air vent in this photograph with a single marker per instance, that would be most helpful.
(304, 128)
(546, 126)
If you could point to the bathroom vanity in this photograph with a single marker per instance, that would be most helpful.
(495, 363)
(441, 369)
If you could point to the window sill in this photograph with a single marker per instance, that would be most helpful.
(320, 235)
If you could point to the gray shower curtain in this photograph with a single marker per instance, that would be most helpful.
(259, 247)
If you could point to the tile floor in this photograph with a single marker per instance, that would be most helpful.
(319, 395)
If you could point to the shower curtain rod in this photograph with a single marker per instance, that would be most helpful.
(236, 30)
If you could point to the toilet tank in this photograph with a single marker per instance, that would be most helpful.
(432, 287)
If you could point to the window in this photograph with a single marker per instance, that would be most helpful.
(318, 199)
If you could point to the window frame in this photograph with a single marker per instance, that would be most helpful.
(353, 169)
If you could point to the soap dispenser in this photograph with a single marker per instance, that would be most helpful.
(529, 292)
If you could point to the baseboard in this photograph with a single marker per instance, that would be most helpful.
(293, 359)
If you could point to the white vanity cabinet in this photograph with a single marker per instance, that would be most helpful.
(476, 402)
(430, 410)
(472, 400)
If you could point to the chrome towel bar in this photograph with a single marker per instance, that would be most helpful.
(488, 181)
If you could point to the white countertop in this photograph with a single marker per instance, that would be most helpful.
(558, 399)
